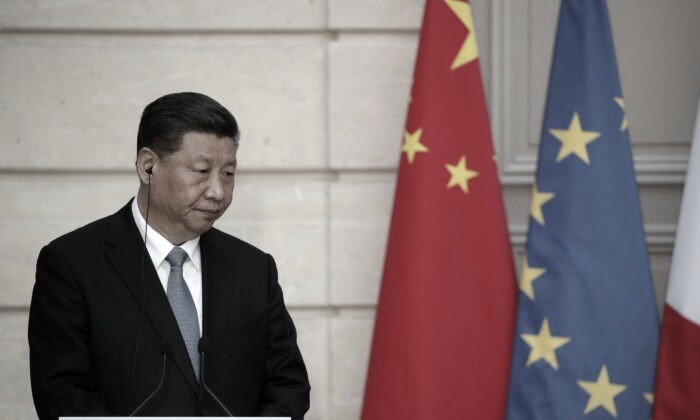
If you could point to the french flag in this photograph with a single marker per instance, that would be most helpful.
(677, 393)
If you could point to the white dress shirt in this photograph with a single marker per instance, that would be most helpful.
(158, 248)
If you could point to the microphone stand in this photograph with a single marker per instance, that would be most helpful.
(203, 348)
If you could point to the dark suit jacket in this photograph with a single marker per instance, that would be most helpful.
(93, 351)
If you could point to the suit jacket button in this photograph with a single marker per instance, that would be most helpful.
(203, 411)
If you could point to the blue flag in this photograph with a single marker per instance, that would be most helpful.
(587, 327)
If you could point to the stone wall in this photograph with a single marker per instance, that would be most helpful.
(320, 90)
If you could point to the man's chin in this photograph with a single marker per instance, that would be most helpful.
(202, 227)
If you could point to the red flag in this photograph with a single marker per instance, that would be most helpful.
(678, 369)
(444, 326)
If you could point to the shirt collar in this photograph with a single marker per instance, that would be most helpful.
(159, 247)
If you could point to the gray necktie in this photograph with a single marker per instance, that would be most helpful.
(183, 305)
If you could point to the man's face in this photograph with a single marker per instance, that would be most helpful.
(192, 187)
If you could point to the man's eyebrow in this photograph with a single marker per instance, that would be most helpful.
(204, 158)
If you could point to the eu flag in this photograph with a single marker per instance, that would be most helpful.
(587, 326)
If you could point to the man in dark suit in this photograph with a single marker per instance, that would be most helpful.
(151, 310)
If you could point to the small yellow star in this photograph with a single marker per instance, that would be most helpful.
(460, 174)
(469, 50)
(574, 140)
(544, 345)
(527, 276)
(602, 393)
(412, 144)
(621, 103)
(538, 200)
(649, 397)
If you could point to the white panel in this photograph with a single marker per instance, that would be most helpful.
(15, 392)
(162, 14)
(350, 342)
(386, 14)
(391, 14)
(360, 213)
(659, 60)
(370, 79)
(71, 101)
(314, 342)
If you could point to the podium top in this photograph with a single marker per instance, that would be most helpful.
(172, 418)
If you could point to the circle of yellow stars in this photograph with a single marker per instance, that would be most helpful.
(543, 345)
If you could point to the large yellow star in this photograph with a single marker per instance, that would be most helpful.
(469, 50)
(625, 123)
(460, 174)
(527, 276)
(544, 345)
(574, 140)
(538, 200)
(412, 144)
(602, 393)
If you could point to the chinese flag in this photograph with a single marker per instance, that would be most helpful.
(444, 326)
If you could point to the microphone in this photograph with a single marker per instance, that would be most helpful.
(164, 350)
(203, 349)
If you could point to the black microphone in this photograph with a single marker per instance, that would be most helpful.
(164, 350)
(203, 349)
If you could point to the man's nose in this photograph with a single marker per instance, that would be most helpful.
(215, 188)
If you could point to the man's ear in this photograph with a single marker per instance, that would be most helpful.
(146, 162)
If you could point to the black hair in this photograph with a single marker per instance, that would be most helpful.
(167, 119)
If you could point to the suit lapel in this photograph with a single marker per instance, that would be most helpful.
(126, 256)
(218, 288)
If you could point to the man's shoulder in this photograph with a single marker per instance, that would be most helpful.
(90, 234)
(238, 245)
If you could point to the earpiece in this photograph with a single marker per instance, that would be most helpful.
(149, 171)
